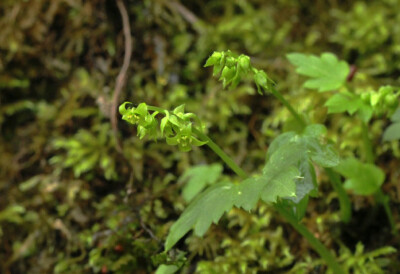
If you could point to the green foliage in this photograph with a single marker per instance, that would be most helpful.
(167, 269)
(253, 233)
(55, 84)
(235, 68)
(393, 131)
(369, 30)
(327, 71)
(365, 105)
(363, 179)
(383, 101)
(208, 207)
(86, 151)
(176, 127)
(288, 173)
(351, 103)
(12, 214)
(301, 150)
(169, 263)
(198, 177)
(365, 262)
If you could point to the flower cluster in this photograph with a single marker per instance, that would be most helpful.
(176, 126)
(234, 68)
(146, 123)
(385, 100)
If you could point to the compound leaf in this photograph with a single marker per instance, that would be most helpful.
(327, 72)
(280, 184)
(298, 150)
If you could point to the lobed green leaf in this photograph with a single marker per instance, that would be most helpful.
(326, 71)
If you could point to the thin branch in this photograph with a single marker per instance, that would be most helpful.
(121, 78)
(185, 12)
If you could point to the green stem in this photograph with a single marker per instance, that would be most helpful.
(296, 115)
(369, 152)
(153, 108)
(344, 200)
(379, 195)
(384, 201)
(314, 242)
(228, 160)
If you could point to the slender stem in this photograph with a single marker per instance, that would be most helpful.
(344, 200)
(314, 242)
(379, 195)
(153, 108)
(384, 200)
(228, 160)
(369, 152)
(296, 115)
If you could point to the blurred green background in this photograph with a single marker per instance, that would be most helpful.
(70, 202)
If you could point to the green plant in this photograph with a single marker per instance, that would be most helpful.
(86, 151)
(329, 74)
(288, 178)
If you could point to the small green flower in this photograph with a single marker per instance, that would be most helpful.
(184, 139)
(176, 127)
(230, 62)
(261, 79)
(227, 75)
(148, 127)
(214, 59)
(244, 63)
(134, 115)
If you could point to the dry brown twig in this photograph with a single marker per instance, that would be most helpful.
(121, 78)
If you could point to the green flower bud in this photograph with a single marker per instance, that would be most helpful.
(214, 59)
(366, 97)
(375, 99)
(123, 108)
(385, 90)
(244, 63)
(261, 80)
(148, 126)
(230, 62)
(227, 75)
(391, 100)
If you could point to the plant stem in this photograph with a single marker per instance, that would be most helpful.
(369, 152)
(384, 200)
(153, 108)
(380, 197)
(314, 242)
(344, 200)
(296, 115)
(228, 160)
